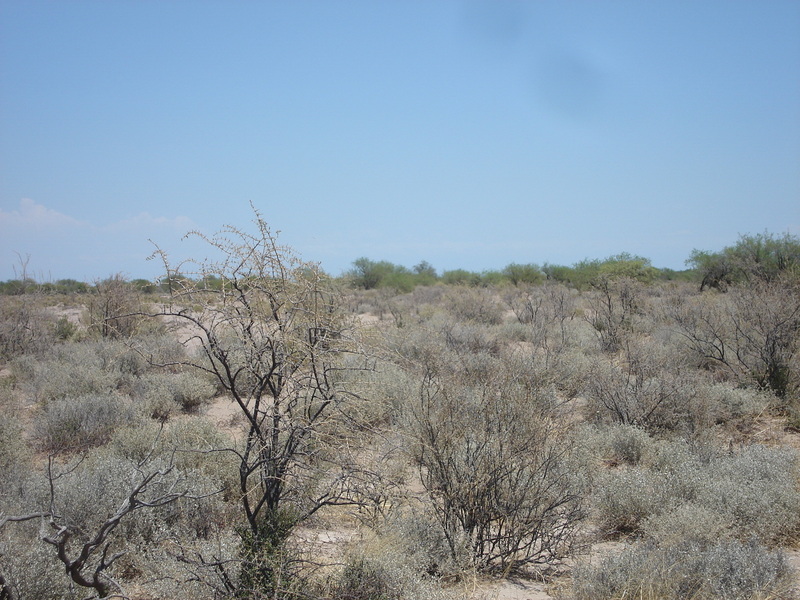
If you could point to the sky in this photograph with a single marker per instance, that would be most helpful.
(469, 134)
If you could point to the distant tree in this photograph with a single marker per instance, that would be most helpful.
(369, 274)
(559, 273)
(492, 278)
(528, 274)
(714, 268)
(763, 257)
(145, 286)
(426, 274)
(72, 286)
(630, 266)
(461, 277)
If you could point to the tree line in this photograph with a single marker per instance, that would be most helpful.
(759, 257)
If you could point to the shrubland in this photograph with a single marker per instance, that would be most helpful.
(609, 428)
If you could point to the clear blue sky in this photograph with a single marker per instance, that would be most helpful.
(468, 134)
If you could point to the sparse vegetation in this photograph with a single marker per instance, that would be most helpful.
(200, 436)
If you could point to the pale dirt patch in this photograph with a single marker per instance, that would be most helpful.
(225, 413)
(511, 589)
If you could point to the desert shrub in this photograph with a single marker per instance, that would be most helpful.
(380, 387)
(755, 491)
(613, 303)
(191, 390)
(27, 567)
(80, 422)
(547, 311)
(13, 451)
(623, 444)
(639, 393)
(470, 338)
(115, 307)
(690, 522)
(88, 490)
(64, 329)
(365, 580)
(726, 569)
(726, 402)
(414, 538)
(623, 499)
(479, 305)
(759, 487)
(72, 369)
(154, 395)
(25, 328)
(497, 469)
(569, 370)
(158, 349)
(748, 335)
(381, 577)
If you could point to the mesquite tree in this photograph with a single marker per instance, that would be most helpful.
(268, 328)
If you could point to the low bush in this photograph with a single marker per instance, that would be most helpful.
(726, 569)
(25, 328)
(162, 394)
(754, 493)
(80, 423)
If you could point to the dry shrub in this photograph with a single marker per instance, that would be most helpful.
(755, 492)
(686, 571)
(70, 424)
(498, 470)
(25, 327)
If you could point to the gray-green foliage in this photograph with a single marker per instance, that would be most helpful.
(754, 492)
(28, 568)
(381, 577)
(67, 371)
(727, 569)
(80, 422)
(163, 394)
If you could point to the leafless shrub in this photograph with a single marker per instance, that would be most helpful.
(115, 310)
(479, 305)
(641, 390)
(748, 334)
(547, 310)
(497, 469)
(612, 306)
(25, 328)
